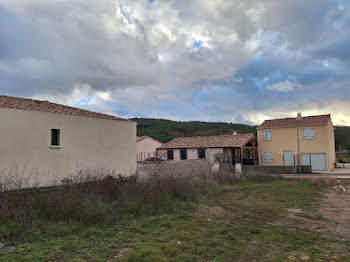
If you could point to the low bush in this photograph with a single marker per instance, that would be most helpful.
(344, 160)
(92, 196)
(229, 178)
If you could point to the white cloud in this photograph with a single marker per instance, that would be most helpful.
(337, 110)
(140, 55)
(285, 86)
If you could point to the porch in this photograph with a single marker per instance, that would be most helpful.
(245, 155)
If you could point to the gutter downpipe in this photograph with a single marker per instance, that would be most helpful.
(299, 162)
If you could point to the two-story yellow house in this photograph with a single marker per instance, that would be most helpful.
(279, 140)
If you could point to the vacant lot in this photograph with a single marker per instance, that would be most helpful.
(284, 220)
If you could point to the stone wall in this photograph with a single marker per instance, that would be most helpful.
(276, 169)
(175, 168)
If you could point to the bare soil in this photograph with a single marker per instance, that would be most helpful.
(332, 218)
(212, 211)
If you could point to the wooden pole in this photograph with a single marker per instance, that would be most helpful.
(241, 155)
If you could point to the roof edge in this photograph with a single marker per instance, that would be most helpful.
(293, 118)
(106, 116)
(259, 128)
(145, 137)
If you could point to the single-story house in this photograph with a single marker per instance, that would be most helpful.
(279, 140)
(235, 148)
(147, 147)
(54, 139)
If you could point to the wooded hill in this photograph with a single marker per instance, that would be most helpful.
(165, 130)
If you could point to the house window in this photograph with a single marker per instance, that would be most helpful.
(267, 156)
(183, 154)
(201, 153)
(170, 155)
(55, 137)
(309, 133)
(267, 135)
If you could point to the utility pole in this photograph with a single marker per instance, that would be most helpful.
(299, 162)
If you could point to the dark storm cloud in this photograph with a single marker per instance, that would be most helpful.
(211, 60)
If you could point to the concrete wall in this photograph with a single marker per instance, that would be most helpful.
(174, 168)
(89, 142)
(285, 139)
(275, 170)
(147, 148)
(192, 153)
(177, 154)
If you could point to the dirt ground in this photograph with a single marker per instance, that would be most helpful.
(333, 214)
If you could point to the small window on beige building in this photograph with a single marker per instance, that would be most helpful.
(183, 154)
(170, 154)
(55, 137)
(267, 156)
(267, 135)
(201, 153)
(309, 133)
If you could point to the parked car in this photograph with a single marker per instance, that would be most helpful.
(155, 159)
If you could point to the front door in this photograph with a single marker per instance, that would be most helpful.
(288, 158)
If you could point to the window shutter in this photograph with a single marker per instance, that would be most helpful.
(308, 132)
(270, 155)
(268, 134)
(265, 156)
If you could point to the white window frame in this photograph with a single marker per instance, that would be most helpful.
(307, 130)
(268, 156)
(267, 135)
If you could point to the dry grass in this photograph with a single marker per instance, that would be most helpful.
(93, 196)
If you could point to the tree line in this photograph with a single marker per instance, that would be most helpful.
(165, 130)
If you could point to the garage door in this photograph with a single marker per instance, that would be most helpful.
(318, 161)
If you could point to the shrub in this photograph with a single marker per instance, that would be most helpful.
(94, 196)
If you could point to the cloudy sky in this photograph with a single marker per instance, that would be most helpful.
(214, 60)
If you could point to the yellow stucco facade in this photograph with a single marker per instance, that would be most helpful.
(282, 148)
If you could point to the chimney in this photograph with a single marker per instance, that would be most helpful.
(234, 133)
(299, 116)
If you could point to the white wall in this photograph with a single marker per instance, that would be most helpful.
(192, 154)
(147, 148)
(211, 152)
(26, 139)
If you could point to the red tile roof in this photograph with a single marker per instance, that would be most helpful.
(209, 141)
(291, 122)
(46, 106)
(141, 138)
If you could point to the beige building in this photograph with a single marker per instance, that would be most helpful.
(54, 139)
(147, 147)
(235, 148)
(278, 142)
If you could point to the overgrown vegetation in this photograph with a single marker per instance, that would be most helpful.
(91, 196)
(344, 160)
(342, 138)
(165, 130)
(201, 218)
